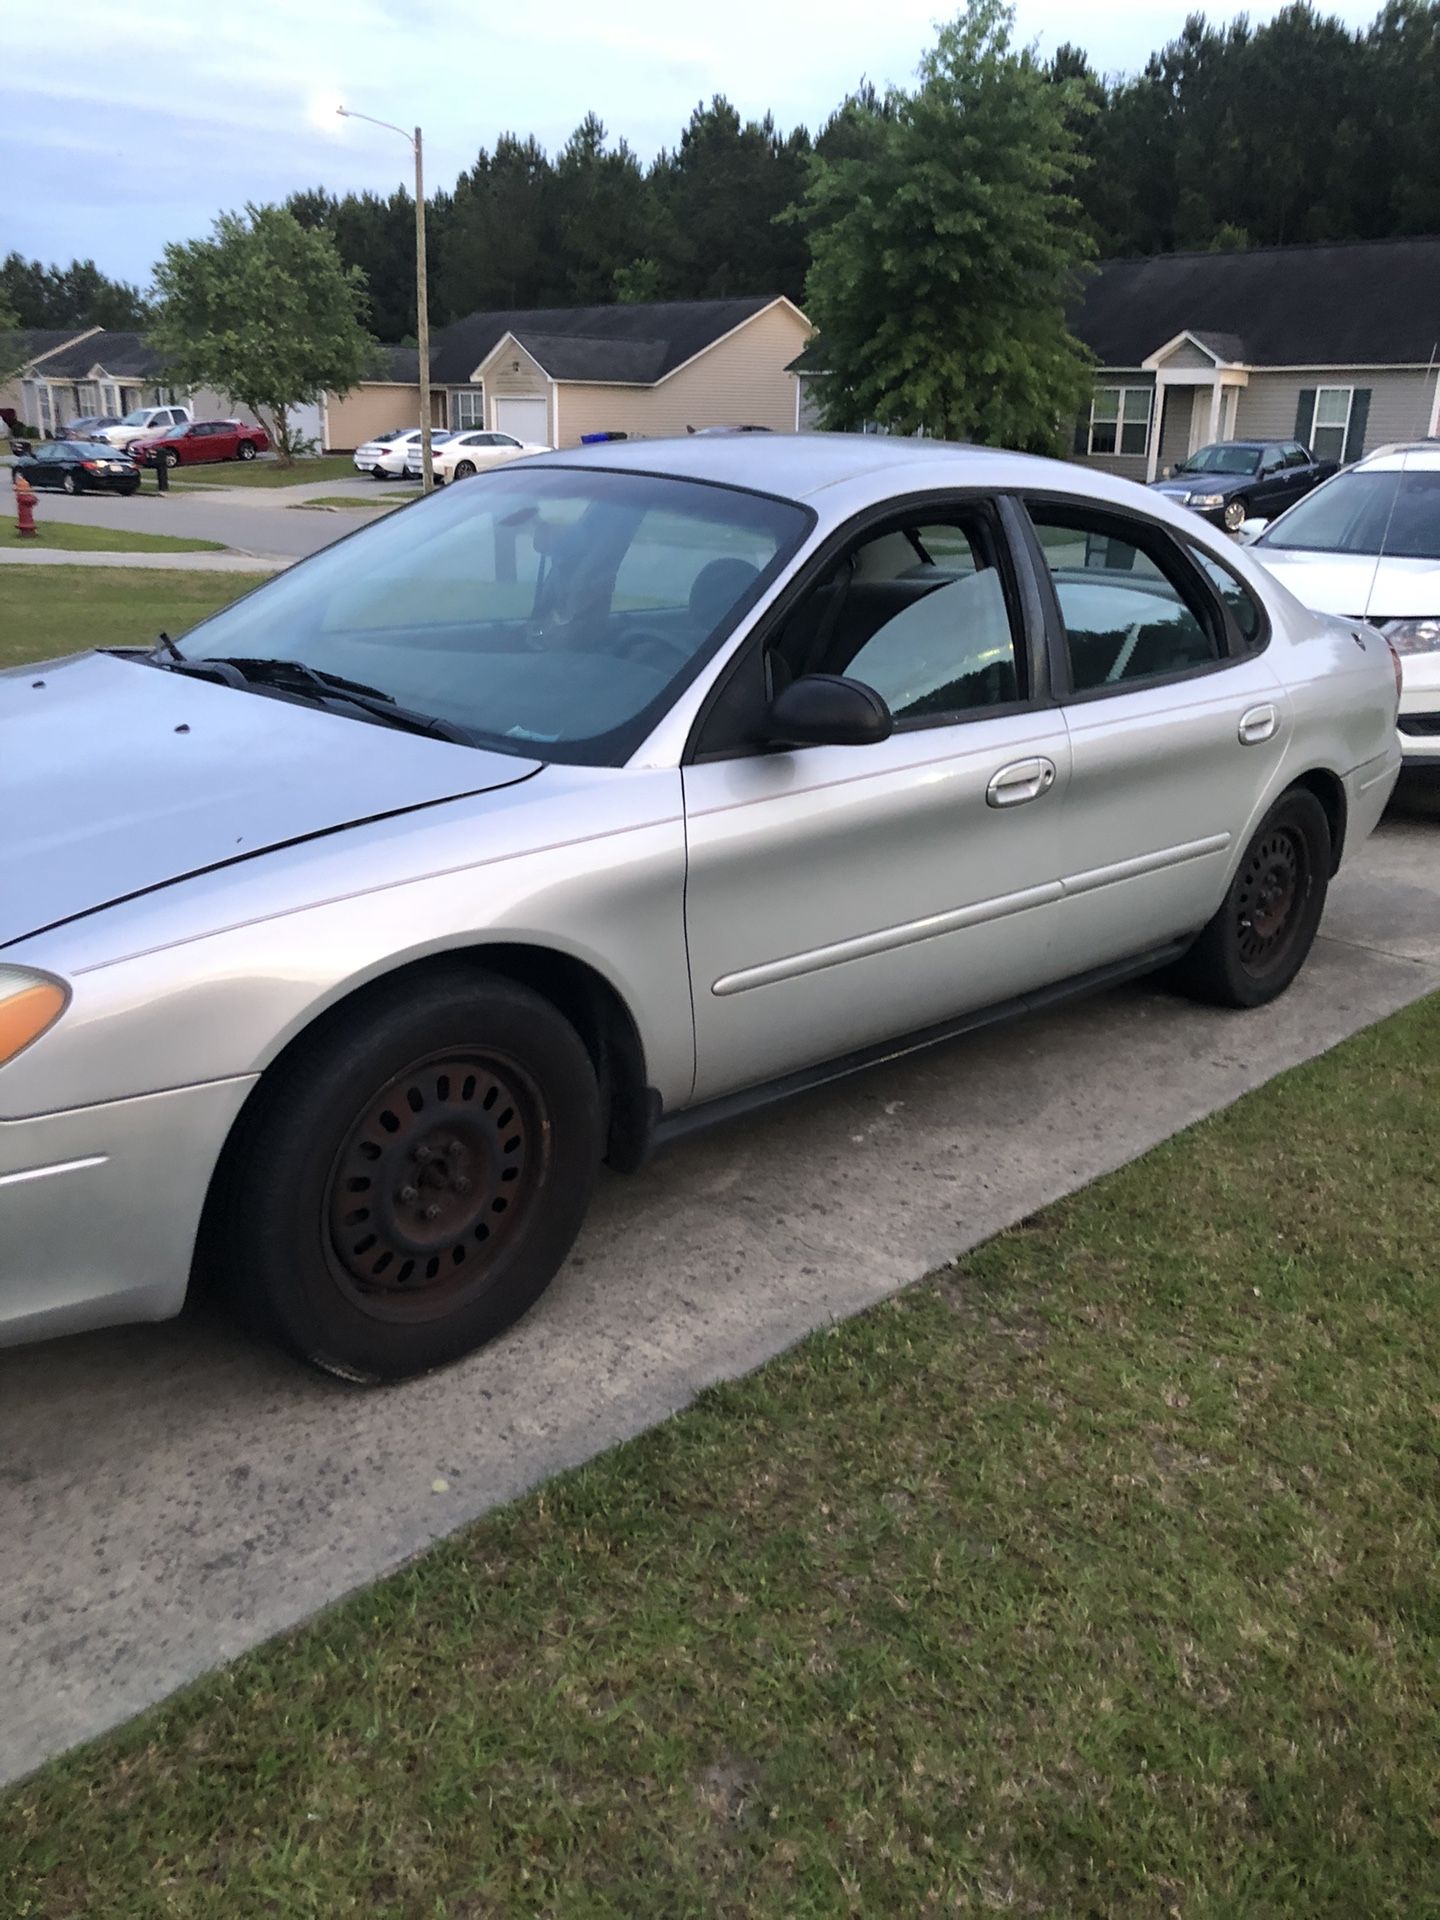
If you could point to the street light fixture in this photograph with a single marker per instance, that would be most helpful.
(422, 297)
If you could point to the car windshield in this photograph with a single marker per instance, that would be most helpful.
(176, 433)
(140, 417)
(1387, 512)
(1222, 459)
(552, 611)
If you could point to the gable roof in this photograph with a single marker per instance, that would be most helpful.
(38, 343)
(644, 340)
(1360, 303)
(126, 355)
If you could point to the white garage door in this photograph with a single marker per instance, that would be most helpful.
(528, 420)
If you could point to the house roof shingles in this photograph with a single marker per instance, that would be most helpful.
(125, 355)
(1360, 303)
(645, 340)
(33, 342)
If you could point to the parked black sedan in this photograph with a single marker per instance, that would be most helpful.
(1235, 480)
(80, 466)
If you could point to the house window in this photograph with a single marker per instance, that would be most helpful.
(467, 407)
(1332, 422)
(1120, 420)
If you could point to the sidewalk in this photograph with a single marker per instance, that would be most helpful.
(167, 562)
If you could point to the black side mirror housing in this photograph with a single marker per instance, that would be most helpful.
(827, 710)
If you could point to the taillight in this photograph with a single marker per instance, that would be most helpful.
(1399, 672)
(90, 466)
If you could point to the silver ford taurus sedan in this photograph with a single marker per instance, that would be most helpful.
(601, 796)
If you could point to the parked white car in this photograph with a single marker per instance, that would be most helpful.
(141, 421)
(386, 455)
(1366, 545)
(470, 451)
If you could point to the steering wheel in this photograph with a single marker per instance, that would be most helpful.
(649, 649)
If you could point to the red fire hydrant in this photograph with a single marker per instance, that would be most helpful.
(25, 508)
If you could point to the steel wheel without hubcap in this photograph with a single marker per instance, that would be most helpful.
(1272, 883)
(430, 1183)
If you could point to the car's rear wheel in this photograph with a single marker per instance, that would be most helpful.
(411, 1180)
(1235, 514)
(1266, 926)
(464, 469)
(247, 449)
(70, 484)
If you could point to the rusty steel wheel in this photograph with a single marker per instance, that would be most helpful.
(407, 1180)
(1272, 883)
(1257, 942)
(430, 1182)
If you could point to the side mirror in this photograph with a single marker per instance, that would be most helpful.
(827, 710)
(1252, 529)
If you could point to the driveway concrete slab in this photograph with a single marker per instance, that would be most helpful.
(171, 1495)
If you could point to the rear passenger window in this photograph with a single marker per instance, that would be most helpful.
(1244, 608)
(920, 614)
(1133, 610)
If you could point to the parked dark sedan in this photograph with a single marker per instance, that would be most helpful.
(80, 466)
(1234, 480)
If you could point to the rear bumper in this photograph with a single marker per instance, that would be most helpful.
(1367, 794)
(99, 1208)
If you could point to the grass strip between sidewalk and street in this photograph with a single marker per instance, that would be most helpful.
(263, 472)
(1093, 1576)
(70, 536)
(372, 503)
(49, 611)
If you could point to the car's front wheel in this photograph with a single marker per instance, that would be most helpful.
(411, 1179)
(1235, 514)
(170, 458)
(1266, 926)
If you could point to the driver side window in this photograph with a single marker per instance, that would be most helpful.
(918, 612)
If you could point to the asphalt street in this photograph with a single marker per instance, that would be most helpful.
(249, 519)
(171, 1495)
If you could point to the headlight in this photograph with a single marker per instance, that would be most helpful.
(29, 1003)
(1412, 636)
(1207, 499)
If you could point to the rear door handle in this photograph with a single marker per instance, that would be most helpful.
(1022, 780)
(1258, 724)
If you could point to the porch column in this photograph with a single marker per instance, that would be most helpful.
(1157, 421)
(1217, 397)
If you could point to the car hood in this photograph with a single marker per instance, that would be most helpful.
(1355, 583)
(117, 778)
(1181, 486)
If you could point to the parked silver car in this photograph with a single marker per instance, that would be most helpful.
(605, 794)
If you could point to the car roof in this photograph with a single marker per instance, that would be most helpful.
(798, 465)
(1417, 455)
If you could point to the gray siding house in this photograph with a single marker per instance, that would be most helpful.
(1336, 346)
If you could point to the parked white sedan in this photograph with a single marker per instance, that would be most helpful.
(385, 457)
(614, 792)
(1367, 545)
(472, 450)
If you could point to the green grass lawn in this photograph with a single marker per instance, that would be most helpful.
(1095, 1576)
(373, 502)
(265, 472)
(46, 611)
(70, 537)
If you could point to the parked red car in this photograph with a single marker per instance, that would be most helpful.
(195, 441)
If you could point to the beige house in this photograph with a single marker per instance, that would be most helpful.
(1334, 346)
(554, 375)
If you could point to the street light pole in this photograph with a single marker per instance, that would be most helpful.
(422, 290)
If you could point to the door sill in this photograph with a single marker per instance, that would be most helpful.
(729, 1106)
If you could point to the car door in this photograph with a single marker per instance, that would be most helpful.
(838, 896)
(224, 440)
(1271, 493)
(46, 470)
(1176, 723)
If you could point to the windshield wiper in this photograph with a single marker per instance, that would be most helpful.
(294, 676)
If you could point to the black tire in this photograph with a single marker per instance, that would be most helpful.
(70, 483)
(247, 449)
(1263, 933)
(170, 458)
(464, 469)
(475, 1195)
(1234, 514)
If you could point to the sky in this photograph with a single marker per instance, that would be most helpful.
(132, 122)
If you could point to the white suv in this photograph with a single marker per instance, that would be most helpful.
(142, 420)
(1366, 545)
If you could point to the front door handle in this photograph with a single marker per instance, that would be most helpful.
(1258, 724)
(1022, 780)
